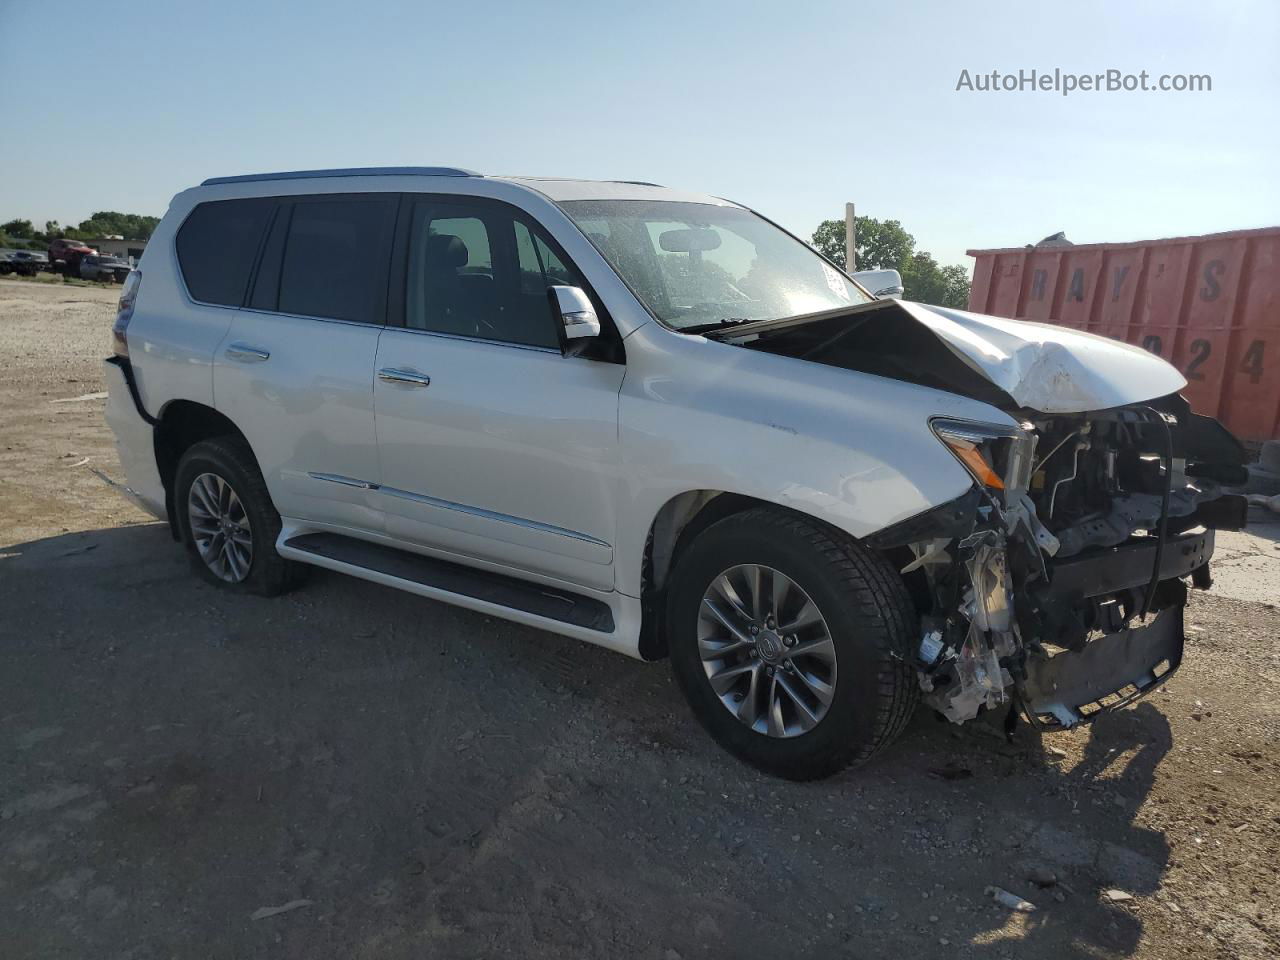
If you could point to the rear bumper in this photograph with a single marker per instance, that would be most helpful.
(135, 443)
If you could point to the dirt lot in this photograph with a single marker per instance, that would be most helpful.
(416, 780)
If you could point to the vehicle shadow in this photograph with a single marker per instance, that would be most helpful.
(431, 779)
(1087, 834)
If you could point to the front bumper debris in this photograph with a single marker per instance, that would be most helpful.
(1059, 594)
(1109, 672)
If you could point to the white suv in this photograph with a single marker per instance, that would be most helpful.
(655, 421)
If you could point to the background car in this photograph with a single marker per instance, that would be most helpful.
(97, 267)
(28, 262)
(25, 263)
(69, 252)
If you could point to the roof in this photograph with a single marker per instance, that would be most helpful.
(555, 189)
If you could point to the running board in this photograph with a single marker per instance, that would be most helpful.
(447, 581)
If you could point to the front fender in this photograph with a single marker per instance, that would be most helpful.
(851, 449)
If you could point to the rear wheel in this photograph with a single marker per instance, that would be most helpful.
(228, 521)
(788, 640)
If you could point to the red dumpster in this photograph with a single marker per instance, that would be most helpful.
(1210, 305)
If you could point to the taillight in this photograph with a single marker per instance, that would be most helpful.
(124, 313)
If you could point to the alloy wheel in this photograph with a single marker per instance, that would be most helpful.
(220, 527)
(766, 650)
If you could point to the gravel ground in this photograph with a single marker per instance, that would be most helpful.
(410, 779)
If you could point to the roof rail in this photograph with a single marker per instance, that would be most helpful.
(346, 172)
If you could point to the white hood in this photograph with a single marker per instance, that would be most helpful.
(1050, 369)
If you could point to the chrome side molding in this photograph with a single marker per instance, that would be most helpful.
(459, 507)
(345, 481)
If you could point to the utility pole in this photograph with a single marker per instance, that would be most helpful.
(850, 253)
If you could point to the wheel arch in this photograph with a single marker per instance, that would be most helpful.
(677, 524)
(180, 425)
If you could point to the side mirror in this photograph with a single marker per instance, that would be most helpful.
(881, 284)
(577, 316)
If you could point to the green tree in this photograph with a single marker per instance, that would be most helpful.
(955, 279)
(886, 245)
(53, 231)
(18, 229)
(880, 244)
(131, 226)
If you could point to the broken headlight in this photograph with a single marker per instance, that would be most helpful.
(999, 457)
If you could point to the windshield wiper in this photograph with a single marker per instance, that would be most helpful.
(718, 325)
(777, 323)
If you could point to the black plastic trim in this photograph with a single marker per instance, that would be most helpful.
(1228, 512)
(127, 369)
(954, 518)
(1129, 565)
(506, 591)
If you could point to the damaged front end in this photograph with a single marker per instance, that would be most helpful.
(1056, 585)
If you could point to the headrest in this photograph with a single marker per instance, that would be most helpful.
(446, 250)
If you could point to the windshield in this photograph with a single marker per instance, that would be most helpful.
(697, 266)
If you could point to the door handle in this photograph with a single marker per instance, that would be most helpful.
(247, 354)
(407, 377)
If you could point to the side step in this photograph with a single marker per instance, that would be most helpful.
(551, 603)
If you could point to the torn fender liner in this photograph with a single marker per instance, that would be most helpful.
(951, 519)
(1109, 672)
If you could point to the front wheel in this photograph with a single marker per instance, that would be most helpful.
(227, 519)
(788, 639)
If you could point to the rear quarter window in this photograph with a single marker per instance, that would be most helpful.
(217, 245)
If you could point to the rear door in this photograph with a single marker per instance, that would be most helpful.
(295, 371)
(493, 445)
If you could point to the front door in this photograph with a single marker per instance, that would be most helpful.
(493, 446)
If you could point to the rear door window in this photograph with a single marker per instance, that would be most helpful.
(335, 258)
(217, 244)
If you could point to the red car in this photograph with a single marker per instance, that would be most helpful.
(69, 252)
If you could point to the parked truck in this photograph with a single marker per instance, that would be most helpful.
(65, 255)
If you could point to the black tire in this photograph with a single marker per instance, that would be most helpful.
(269, 573)
(870, 617)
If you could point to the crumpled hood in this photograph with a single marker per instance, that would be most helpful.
(1047, 368)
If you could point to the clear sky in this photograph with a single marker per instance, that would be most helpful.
(792, 108)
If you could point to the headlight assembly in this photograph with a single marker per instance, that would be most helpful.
(999, 457)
